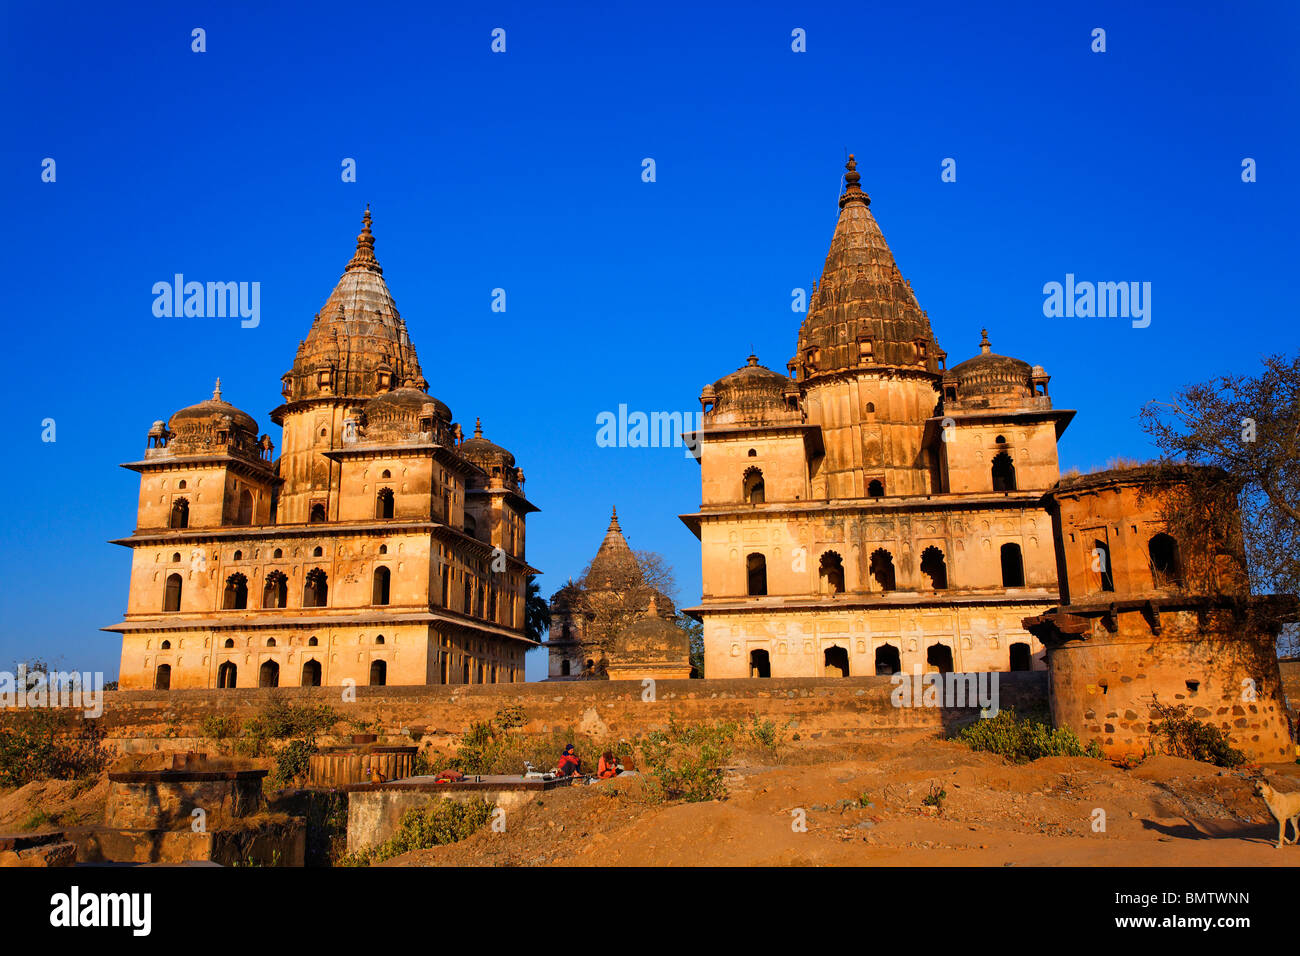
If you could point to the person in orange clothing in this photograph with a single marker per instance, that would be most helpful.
(570, 764)
(608, 766)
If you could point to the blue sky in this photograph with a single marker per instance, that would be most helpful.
(522, 171)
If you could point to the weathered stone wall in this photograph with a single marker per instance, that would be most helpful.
(822, 709)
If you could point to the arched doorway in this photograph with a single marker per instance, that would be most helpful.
(835, 661)
(887, 660)
(268, 675)
(882, 569)
(1020, 657)
(1013, 567)
(311, 673)
(378, 673)
(759, 664)
(938, 657)
(162, 677)
(934, 568)
(226, 675)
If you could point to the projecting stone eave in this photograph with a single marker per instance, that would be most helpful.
(692, 521)
(233, 532)
(890, 599)
(1061, 417)
(1024, 498)
(259, 468)
(516, 498)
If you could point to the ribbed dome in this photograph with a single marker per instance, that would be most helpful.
(862, 296)
(614, 566)
(405, 402)
(752, 394)
(209, 413)
(651, 639)
(989, 374)
(357, 345)
(483, 452)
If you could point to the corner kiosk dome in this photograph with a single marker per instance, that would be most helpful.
(207, 413)
(406, 402)
(752, 393)
(481, 451)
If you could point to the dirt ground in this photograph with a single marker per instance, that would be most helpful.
(1166, 812)
(54, 803)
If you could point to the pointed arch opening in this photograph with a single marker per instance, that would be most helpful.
(760, 665)
(235, 596)
(384, 503)
(379, 591)
(756, 574)
(172, 593)
(226, 674)
(245, 513)
(1013, 566)
(315, 590)
(1004, 472)
(162, 677)
(753, 490)
(268, 675)
(835, 661)
(180, 514)
(888, 660)
(934, 568)
(830, 573)
(1162, 554)
(1020, 658)
(311, 673)
(275, 591)
(882, 569)
(938, 657)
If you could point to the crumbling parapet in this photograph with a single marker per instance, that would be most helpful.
(1143, 619)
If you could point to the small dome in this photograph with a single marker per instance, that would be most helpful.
(403, 403)
(483, 452)
(752, 393)
(209, 413)
(989, 374)
(652, 639)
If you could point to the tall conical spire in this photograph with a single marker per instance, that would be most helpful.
(614, 564)
(365, 254)
(863, 298)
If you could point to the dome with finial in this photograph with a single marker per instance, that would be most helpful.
(862, 301)
(198, 419)
(650, 640)
(614, 566)
(752, 394)
(357, 346)
(483, 452)
(397, 414)
(991, 377)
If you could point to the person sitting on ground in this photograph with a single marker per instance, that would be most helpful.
(570, 764)
(608, 766)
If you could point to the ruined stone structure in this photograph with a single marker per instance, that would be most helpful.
(1144, 619)
(380, 547)
(613, 623)
(875, 511)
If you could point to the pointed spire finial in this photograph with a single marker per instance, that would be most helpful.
(852, 191)
(984, 341)
(365, 255)
(653, 608)
(216, 391)
(478, 427)
(753, 359)
(613, 520)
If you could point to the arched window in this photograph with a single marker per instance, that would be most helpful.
(176, 558)
(317, 514)
(379, 593)
(887, 659)
(226, 675)
(1165, 569)
(934, 568)
(1020, 657)
(245, 507)
(230, 642)
(1004, 473)
(386, 474)
(383, 549)
(235, 597)
(315, 590)
(311, 673)
(162, 677)
(379, 639)
(1013, 567)
(938, 657)
(270, 642)
(831, 573)
(760, 665)
(384, 503)
(882, 569)
(379, 673)
(471, 526)
(753, 491)
(876, 489)
(276, 591)
(1101, 564)
(756, 574)
(172, 594)
(277, 553)
(181, 484)
(165, 646)
(268, 675)
(318, 552)
(835, 661)
(239, 555)
(180, 517)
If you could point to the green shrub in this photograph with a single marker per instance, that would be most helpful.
(440, 823)
(1024, 740)
(292, 761)
(219, 726)
(687, 761)
(47, 744)
(1177, 733)
(935, 797)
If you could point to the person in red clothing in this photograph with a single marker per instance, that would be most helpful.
(570, 764)
(608, 766)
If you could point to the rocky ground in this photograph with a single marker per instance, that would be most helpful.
(865, 805)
